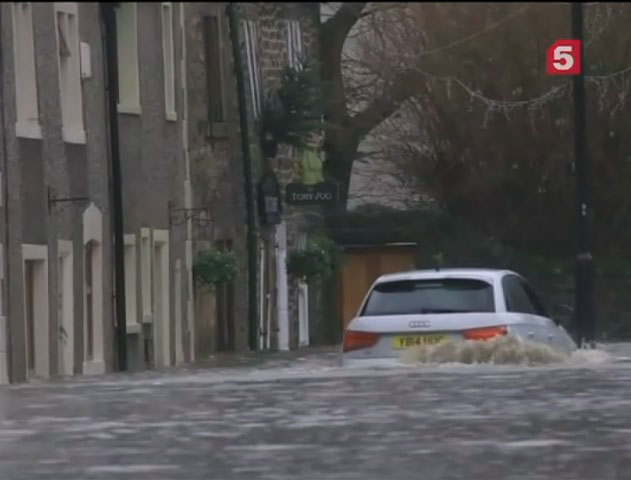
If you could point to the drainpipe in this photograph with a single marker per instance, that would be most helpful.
(188, 195)
(111, 82)
(253, 334)
(6, 348)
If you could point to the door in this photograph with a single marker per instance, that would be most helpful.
(303, 314)
(362, 266)
(282, 304)
(36, 321)
(29, 308)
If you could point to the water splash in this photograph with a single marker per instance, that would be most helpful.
(501, 351)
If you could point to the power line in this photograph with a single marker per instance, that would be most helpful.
(473, 35)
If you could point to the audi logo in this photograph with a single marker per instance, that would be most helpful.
(420, 324)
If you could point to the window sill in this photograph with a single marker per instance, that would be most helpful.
(171, 116)
(129, 109)
(29, 129)
(74, 135)
(133, 328)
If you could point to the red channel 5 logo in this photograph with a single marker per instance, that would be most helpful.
(564, 58)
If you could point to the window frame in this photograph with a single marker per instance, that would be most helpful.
(218, 127)
(131, 105)
(131, 280)
(168, 58)
(295, 46)
(27, 110)
(250, 36)
(73, 130)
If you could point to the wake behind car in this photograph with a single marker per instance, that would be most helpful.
(427, 307)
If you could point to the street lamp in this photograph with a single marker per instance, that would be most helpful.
(269, 197)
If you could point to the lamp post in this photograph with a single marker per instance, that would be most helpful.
(584, 296)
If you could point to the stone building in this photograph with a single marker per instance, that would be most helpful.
(181, 176)
(272, 35)
(57, 286)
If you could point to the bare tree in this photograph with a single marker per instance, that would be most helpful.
(352, 110)
(488, 134)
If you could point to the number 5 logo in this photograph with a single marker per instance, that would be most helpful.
(564, 58)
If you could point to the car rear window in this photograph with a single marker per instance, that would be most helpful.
(450, 295)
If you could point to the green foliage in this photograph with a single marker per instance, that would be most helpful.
(215, 267)
(321, 257)
(293, 113)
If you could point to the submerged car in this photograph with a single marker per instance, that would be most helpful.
(427, 307)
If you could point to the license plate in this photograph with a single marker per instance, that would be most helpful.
(407, 341)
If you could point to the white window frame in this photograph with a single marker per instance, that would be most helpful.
(93, 232)
(26, 95)
(168, 60)
(254, 73)
(145, 275)
(162, 292)
(65, 255)
(128, 53)
(131, 285)
(70, 91)
(294, 44)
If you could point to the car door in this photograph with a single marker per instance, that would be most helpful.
(520, 299)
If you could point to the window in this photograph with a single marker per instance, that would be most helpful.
(449, 295)
(251, 54)
(520, 298)
(214, 69)
(131, 313)
(294, 44)
(67, 27)
(127, 52)
(26, 102)
(169, 61)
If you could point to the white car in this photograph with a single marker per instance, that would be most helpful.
(426, 307)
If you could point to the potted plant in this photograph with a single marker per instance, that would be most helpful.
(319, 259)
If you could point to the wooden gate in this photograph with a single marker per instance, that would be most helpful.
(362, 266)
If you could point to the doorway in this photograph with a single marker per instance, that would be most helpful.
(224, 298)
(93, 325)
(36, 321)
(65, 286)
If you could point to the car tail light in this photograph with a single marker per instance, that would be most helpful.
(486, 333)
(358, 340)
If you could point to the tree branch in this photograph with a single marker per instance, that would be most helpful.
(343, 20)
(402, 87)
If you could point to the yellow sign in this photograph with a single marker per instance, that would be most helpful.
(407, 341)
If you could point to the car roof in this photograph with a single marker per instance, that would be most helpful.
(487, 274)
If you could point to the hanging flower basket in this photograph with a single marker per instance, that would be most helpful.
(321, 258)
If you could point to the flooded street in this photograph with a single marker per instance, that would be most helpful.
(303, 417)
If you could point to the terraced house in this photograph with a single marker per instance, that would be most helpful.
(121, 164)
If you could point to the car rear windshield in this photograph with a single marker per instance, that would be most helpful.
(450, 295)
